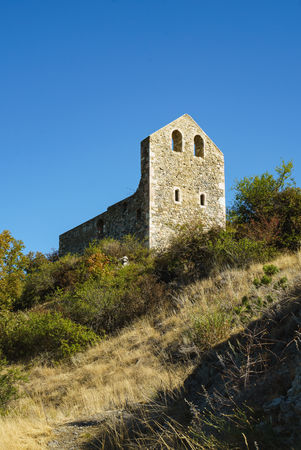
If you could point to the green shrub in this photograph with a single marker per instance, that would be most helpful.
(244, 310)
(230, 252)
(256, 282)
(45, 277)
(35, 260)
(244, 307)
(282, 283)
(210, 328)
(255, 196)
(250, 307)
(114, 300)
(9, 377)
(24, 336)
(39, 284)
(269, 208)
(270, 269)
(194, 253)
(265, 280)
(288, 208)
(128, 246)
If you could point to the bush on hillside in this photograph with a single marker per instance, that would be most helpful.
(255, 196)
(24, 336)
(94, 288)
(269, 208)
(270, 269)
(195, 253)
(114, 300)
(288, 209)
(128, 246)
(208, 329)
(45, 277)
(35, 260)
(9, 377)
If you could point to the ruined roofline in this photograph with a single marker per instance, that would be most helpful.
(100, 214)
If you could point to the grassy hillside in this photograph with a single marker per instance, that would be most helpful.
(158, 371)
(197, 346)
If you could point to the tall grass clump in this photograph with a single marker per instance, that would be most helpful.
(209, 328)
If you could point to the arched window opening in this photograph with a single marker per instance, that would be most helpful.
(198, 146)
(100, 227)
(176, 141)
(202, 199)
(138, 214)
(177, 195)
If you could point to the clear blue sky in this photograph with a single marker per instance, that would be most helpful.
(83, 82)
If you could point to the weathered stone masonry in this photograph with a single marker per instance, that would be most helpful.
(182, 177)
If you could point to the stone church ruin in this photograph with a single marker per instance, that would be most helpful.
(182, 178)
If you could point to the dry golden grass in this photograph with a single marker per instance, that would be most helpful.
(227, 288)
(124, 369)
(24, 433)
(127, 368)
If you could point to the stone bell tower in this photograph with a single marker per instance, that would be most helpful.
(182, 178)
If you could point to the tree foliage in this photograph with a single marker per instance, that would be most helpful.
(12, 269)
(288, 209)
(255, 196)
(268, 207)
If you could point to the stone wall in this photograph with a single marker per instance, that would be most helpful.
(155, 210)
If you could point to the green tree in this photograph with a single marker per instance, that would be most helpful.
(255, 196)
(288, 209)
(268, 208)
(12, 269)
